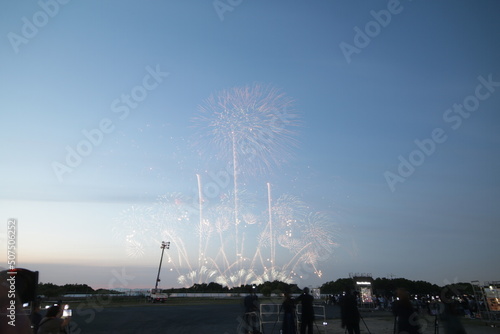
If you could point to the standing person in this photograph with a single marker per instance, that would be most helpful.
(52, 323)
(406, 316)
(36, 317)
(307, 319)
(289, 321)
(349, 313)
(451, 318)
(251, 304)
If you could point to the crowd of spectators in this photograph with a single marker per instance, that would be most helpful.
(463, 305)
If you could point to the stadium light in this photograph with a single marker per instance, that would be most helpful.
(163, 246)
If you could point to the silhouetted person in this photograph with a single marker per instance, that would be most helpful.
(349, 313)
(251, 304)
(52, 322)
(289, 321)
(406, 316)
(451, 318)
(307, 319)
(36, 317)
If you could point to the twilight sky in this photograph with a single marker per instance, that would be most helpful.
(370, 128)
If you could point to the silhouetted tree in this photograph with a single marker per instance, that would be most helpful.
(337, 287)
(49, 290)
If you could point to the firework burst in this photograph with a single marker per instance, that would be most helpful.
(255, 125)
(307, 238)
(137, 229)
(251, 126)
(253, 129)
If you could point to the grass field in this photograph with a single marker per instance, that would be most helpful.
(114, 301)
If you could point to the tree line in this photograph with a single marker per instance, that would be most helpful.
(53, 290)
(387, 287)
(380, 286)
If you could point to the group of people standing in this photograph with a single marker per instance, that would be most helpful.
(307, 313)
(288, 307)
(406, 315)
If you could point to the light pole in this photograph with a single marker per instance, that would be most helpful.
(163, 246)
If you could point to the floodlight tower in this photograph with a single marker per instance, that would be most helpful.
(163, 246)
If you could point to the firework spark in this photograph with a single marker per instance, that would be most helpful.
(306, 237)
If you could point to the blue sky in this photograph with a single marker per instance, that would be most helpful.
(139, 72)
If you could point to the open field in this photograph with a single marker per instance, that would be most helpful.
(224, 316)
(105, 301)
